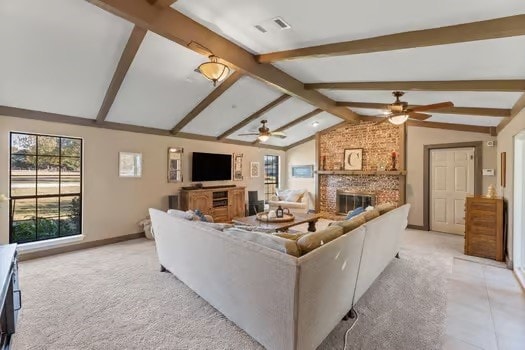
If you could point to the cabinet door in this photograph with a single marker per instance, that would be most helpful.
(237, 203)
(201, 201)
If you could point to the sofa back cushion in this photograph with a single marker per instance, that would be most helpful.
(370, 214)
(313, 240)
(350, 225)
(385, 207)
(281, 244)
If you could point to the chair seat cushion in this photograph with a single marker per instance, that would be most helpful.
(285, 204)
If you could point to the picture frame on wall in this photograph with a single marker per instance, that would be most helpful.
(237, 167)
(503, 167)
(175, 164)
(254, 169)
(353, 159)
(303, 171)
(130, 164)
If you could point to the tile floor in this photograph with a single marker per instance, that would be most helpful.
(485, 303)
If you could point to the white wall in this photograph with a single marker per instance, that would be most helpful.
(417, 138)
(301, 155)
(114, 205)
(506, 144)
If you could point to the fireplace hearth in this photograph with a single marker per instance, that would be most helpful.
(347, 200)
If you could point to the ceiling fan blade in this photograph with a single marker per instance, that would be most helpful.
(431, 107)
(249, 134)
(419, 116)
(278, 134)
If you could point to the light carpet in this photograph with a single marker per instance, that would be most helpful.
(114, 297)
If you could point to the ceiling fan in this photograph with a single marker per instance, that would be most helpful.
(264, 133)
(398, 112)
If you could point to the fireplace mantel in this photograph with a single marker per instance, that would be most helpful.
(363, 172)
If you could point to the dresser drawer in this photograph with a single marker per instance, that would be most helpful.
(483, 207)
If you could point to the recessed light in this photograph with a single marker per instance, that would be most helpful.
(315, 124)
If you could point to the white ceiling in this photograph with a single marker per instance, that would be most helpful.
(59, 56)
(305, 129)
(161, 86)
(459, 98)
(51, 58)
(241, 100)
(486, 59)
(278, 116)
(319, 22)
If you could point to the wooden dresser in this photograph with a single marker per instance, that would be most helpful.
(484, 227)
(223, 204)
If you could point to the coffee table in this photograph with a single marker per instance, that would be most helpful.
(311, 219)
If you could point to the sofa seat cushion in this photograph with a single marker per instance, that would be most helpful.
(313, 240)
(215, 225)
(280, 244)
(385, 207)
(285, 204)
(350, 225)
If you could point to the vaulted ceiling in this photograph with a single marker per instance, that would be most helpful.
(129, 64)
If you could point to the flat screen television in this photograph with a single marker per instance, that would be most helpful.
(211, 167)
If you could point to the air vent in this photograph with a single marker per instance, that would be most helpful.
(281, 23)
(260, 28)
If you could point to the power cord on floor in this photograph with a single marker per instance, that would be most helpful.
(349, 329)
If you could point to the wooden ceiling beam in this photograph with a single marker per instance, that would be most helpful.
(175, 26)
(473, 111)
(295, 122)
(129, 53)
(511, 85)
(448, 126)
(252, 117)
(516, 109)
(66, 119)
(208, 100)
(483, 30)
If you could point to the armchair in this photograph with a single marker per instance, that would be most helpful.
(294, 200)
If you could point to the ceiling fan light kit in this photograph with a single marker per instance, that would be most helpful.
(398, 119)
(214, 70)
(263, 138)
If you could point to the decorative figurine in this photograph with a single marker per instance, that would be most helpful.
(491, 192)
(394, 160)
(279, 212)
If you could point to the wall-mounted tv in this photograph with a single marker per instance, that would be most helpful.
(211, 167)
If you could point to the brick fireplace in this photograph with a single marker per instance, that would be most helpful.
(374, 180)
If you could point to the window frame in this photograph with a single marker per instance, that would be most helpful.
(274, 162)
(36, 196)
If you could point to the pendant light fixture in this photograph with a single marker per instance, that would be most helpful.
(214, 70)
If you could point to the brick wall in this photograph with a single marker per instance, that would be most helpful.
(377, 142)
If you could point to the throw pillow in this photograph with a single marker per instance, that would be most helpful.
(215, 225)
(294, 196)
(313, 240)
(354, 212)
(350, 225)
(280, 244)
(288, 235)
(181, 214)
(200, 215)
(385, 207)
(370, 214)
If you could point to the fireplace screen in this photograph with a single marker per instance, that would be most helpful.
(347, 201)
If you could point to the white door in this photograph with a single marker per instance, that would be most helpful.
(451, 179)
(519, 206)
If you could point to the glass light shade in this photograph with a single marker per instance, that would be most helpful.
(263, 138)
(214, 70)
(398, 119)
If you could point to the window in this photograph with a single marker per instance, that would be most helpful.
(271, 176)
(45, 187)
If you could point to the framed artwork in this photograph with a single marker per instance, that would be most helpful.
(254, 169)
(237, 167)
(175, 164)
(303, 171)
(353, 159)
(503, 167)
(130, 164)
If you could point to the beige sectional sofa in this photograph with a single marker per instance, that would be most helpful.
(283, 301)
